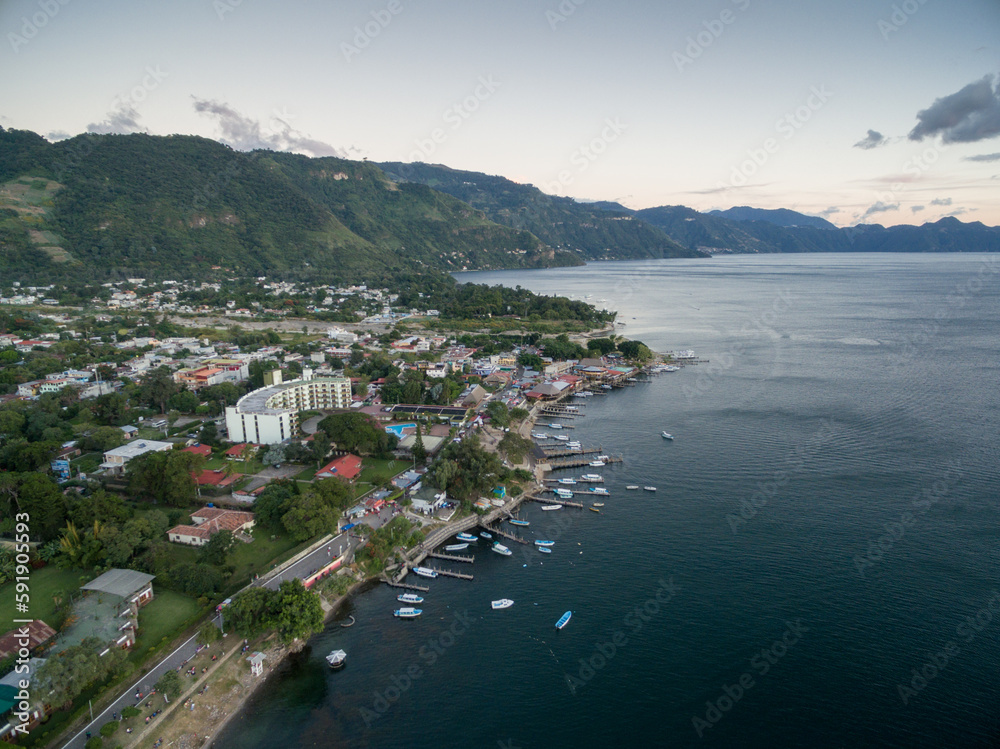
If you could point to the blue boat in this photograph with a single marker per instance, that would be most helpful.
(564, 620)
(484, 534)
(467, 537)
(515, 521)
(544, 549)
(539, 542)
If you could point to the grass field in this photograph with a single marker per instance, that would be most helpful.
(375, 472)
(43, 584)
(163, 617)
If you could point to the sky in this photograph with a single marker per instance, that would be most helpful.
(874, 111)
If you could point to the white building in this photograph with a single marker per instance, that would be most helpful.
(115, 460)
(271, 415)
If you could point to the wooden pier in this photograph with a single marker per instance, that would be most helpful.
(547, 501)
(407, 586)
(554, 451)
(451, 573)
(452, 557)
(581, 462)
(504, 534)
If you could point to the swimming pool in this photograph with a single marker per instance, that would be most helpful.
(397, 429)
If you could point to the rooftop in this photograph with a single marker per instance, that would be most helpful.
(256, 402)
(121, 583)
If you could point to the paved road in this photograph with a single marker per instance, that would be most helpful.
(309, 564)
(144, 684)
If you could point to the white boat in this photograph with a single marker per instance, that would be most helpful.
(649, 488)
(666, 436)
(598, 504)
(499, 548)
(466, 537)
(632, 486)
(485, 534)
(456, 547)
(567, 481)
(544, 543)
(544, 549)
(539, 436)
(407, 612)
(563, 493)
(561, 438)
(605, 387)
(550, 508)
(425, 572)
(597, 464)
(600, 490)
(555, 426)
(409, 598)
(336, 658)
(592, 478)
(503, 603)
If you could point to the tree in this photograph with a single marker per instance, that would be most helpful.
(217, 549)
(69, 672)
(109, 728)
(157, 388)
(465, 468)
(184, 401)
(514, 447)
(197, 580)
(39, 496)
(275, 455)
(164, 477)
(498, 413)
(102, 439)
(635, 350)
(170, 683)
(101, 505)
(603, 346)
(297, 613)
(530, 361)
(250, 612)
(418, 449)
(208, 634)
(307, 516)
(321, 444)
(272, 503)
(519, 414)
(358, 433)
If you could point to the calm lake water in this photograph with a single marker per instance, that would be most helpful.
(818, 567)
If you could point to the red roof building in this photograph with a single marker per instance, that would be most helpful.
(203, 450)
(216, 478)
(237, 451)
(34, 634)
(347, 467)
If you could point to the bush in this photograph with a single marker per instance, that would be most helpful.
(109, 728)
(95, 742)
(130, 712)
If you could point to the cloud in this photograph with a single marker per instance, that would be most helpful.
(966, 116)
(879, 207)
(956, 212)
(916, 208)
(247, 134)
(983, 157)
(874, 139)
(122, 120)
(57, 135)
(941, 201)
(828, 211)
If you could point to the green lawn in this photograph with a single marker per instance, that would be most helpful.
(88, 462)
(163, 617)
(375, 472)
(42, 584)
(259, 556)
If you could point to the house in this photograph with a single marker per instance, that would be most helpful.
(203, 450)
(30, 636)
(13, 695)
(473, 396)
(426, 499)
(116, 459)
(347, 467)
(217, 477)
(242, 451)
(108, 610)
(208, 521)
(130, 432)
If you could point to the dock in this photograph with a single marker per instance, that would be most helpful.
(554, 451)
(452, 557)
(580, 462)
(451, 573)
(407, 586)
(505, 534)
(547, 501)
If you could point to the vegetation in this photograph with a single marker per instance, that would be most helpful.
(358, 433)
(291, 611)
(69, 672)
(465, 469)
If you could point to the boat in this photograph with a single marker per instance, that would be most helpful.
(549, 508)
(336, 658)
(605, 387)
(484, 534)
(467, 537)
(598, 504)
(597, 464)
(544, 549)
(564, 620)
(499, 548)
(561, 438)
(592, 478)
(539, 435)
(567, 481)
(350, 624)
(649, 488)
(498, 502)
(563, 493)
(632, 486)
(666, 436)
(545, 543)
(407, 612)
(555, 426)
(594, 509)
(518, 521)
(425, 572)
(503, 603)
(574, 443)
(409, 598)
(600, 490)
(456, 547)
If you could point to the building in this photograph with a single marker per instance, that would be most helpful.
(270, 415)
(208, 521)
(109, 610)
(116, 459)
(30, 636)
(347, 467)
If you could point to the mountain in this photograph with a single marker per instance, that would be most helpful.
(716, 234)
(777, 216)
(140, 205)
(594, 231)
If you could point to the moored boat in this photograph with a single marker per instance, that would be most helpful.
(336, 658)
(540, 542)
(564, 620)
(600, 490)
(456, 547)
(425, 572)
(485, 534)
(567, 481)
(597, 463)
(544, 549)
(518, 521)
(409, 598)
(467, 537)
(594, 509)
(407, 612)
(550, 508)
(499, 548)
